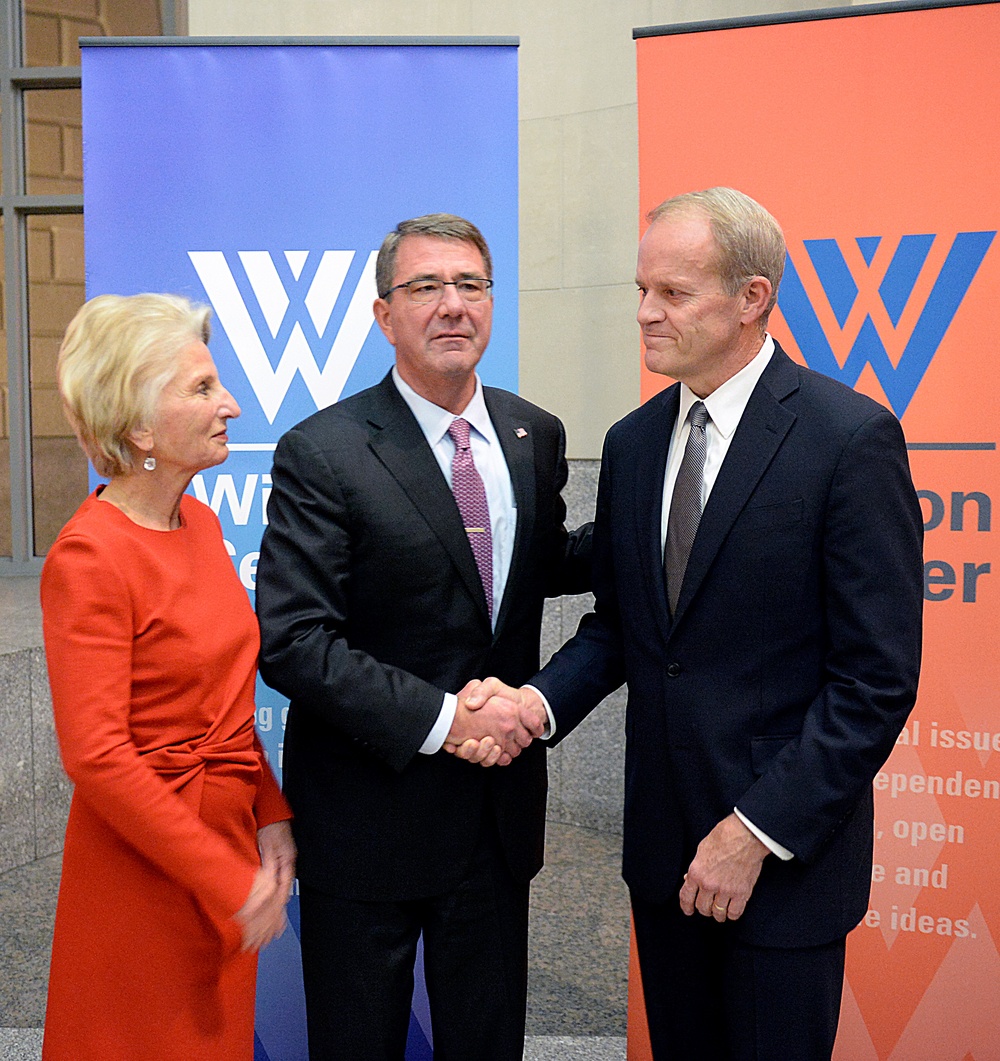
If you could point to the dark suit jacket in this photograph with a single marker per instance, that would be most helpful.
(370, 608)
(792, 662)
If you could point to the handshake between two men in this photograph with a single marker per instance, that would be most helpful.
(494, 722)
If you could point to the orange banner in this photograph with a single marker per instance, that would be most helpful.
(873, 135)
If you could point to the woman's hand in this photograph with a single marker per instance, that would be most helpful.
(262, 916)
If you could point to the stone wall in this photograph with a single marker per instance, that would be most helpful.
(34, 791)
(587, 770)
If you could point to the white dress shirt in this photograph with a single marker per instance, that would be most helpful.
(492, 467)
(725, 405)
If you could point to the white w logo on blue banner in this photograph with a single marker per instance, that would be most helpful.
(271, 384)
(873, 304)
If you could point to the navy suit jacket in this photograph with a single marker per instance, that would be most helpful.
(371, 608)
(791, 664)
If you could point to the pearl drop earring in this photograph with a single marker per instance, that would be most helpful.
(149, 463)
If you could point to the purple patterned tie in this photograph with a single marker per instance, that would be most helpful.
(470, 496)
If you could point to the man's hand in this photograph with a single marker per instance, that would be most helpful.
(262, 917)
(725, 869)
(485, 752)
(494, 722)
(277, 852)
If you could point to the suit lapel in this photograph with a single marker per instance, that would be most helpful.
(649, 464)
(761, 431)
(515, 434)
(399, 444)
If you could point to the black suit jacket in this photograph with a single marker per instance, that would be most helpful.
(792, 661)
(370, 608)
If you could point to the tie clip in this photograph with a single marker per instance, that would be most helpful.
(475, 530)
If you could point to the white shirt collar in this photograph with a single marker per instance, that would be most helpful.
(435, 421)
(726, 404)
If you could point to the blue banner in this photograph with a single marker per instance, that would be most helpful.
(260, 178)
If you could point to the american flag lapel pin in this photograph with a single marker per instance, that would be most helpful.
(520, 432)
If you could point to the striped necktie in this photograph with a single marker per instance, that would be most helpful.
(685, 505)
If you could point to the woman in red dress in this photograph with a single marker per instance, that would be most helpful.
(178, 858)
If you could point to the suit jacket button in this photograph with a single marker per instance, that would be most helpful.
(673, 670)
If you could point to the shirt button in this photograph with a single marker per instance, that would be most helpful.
(673, 670)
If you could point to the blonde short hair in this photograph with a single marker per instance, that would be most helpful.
(118, 354)
(749, 240)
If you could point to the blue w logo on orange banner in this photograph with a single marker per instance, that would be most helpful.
(873, 297)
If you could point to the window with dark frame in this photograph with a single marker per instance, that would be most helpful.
(43, 473)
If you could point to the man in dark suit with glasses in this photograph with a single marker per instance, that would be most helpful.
(414, 530)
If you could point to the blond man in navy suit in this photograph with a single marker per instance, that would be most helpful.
(768, 680)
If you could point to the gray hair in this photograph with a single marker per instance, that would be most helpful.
(749, 239)
(118, 354)
(441, 226)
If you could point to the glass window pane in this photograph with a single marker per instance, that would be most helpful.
(52, 28)
(131, 18)
(42, 35)
(5, 542)
(53, 148)
(55, 293)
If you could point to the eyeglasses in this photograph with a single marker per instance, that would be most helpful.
(471, 289)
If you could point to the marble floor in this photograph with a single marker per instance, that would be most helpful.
(578, 964)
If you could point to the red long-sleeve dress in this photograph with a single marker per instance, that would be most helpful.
(151, 646)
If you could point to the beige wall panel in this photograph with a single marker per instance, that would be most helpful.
(573, 57)
(329, 17)
(670, 12)
(591, 335)
(600, 197)
(541, 204)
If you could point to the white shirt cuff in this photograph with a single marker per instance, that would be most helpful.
(434, 741)
(772, 845)
(550, 729)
